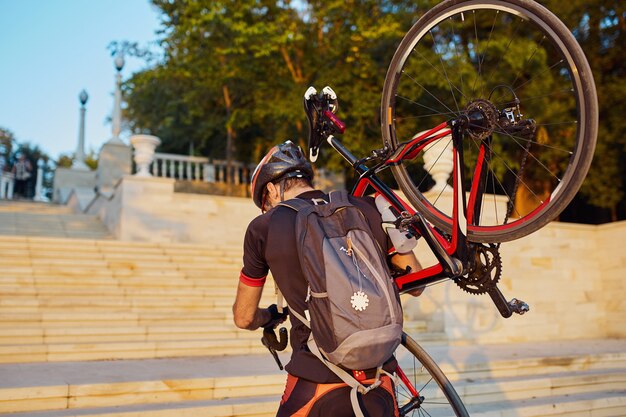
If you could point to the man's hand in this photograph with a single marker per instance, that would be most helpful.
(408, 262)
(275, 317)
(416, 292)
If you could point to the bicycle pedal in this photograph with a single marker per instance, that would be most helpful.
(518, 306)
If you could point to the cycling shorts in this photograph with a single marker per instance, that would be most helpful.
(304, 398)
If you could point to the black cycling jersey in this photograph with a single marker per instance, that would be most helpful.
(270, 244)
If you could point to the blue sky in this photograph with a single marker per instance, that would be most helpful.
(52, 49)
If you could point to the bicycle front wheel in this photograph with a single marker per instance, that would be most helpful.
(514, 60)
(424, 390)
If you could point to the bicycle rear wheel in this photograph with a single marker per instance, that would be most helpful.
(435, 394)
(518, 61)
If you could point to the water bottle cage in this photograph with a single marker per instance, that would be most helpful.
(404, 224)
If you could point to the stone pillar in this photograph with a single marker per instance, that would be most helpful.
(79, 162)
(6, 185)
(39, 183)
(116, 125)
(144, 152)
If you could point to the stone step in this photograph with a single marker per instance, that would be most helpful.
(42, 301)
(31, 274)
(192, 298)
(541, 385)
(584, 404)
(41, 219)
(120, 333)
(29, 269)
(20, 257)
(188, 380)
(129, 291)
(230, 407)
(116, 246)
(54, 352)
(14, 206)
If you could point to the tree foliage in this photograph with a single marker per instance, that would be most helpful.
(238, 68)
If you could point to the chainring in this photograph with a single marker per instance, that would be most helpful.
(485, 271)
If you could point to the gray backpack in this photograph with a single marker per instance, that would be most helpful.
(354, 310)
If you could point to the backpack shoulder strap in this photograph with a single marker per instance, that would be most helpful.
(296, 204)
(339, 196)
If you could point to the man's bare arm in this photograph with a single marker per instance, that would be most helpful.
(246, 311)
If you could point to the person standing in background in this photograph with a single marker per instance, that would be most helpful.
(22, 172)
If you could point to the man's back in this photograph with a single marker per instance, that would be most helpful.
(270, 243)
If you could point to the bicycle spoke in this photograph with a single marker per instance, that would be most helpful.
(444, 71)
(425, 89)
(511, 198)
(544, 145)
(422, 105)
(527, 99)
(446, 76)
(487, 47)
(528, 60)
(493, 175)
(534, 157)
(432, 166)
(507, 48)
(429, 381)
(476, 51)
(517, 87)
(456, 49)
(425, 115)
(571, 122)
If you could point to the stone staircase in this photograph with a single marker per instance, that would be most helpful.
(90, 326)
(28, 218)
(541, 379)
(76, 299)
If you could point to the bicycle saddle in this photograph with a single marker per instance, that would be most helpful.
(314, 106)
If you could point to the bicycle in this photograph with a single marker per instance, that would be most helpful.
(441, 83)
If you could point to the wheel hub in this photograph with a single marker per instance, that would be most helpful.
(482, 118)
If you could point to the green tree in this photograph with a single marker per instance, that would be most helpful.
(239, 68)
(600, 28)
(231, 80)
(7, 140)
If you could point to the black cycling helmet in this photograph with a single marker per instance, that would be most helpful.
(282, 161)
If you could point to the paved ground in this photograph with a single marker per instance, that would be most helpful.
(74, 373)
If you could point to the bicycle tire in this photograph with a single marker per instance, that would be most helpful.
(438, 398)
(558, 166)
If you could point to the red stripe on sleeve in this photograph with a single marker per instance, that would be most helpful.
(250, 281)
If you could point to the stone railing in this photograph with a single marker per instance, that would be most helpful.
(195, 168)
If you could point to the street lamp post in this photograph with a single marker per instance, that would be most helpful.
(117, 105)
(80, 149)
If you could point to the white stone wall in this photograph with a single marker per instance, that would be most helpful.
(148, 209)
(570, 275)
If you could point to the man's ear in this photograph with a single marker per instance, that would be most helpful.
(272, 191)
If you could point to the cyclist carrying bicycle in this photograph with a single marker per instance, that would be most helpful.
(312, 389)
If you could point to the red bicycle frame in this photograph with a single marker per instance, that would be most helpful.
(450, 252)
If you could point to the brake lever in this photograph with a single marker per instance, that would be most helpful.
(272, 343)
